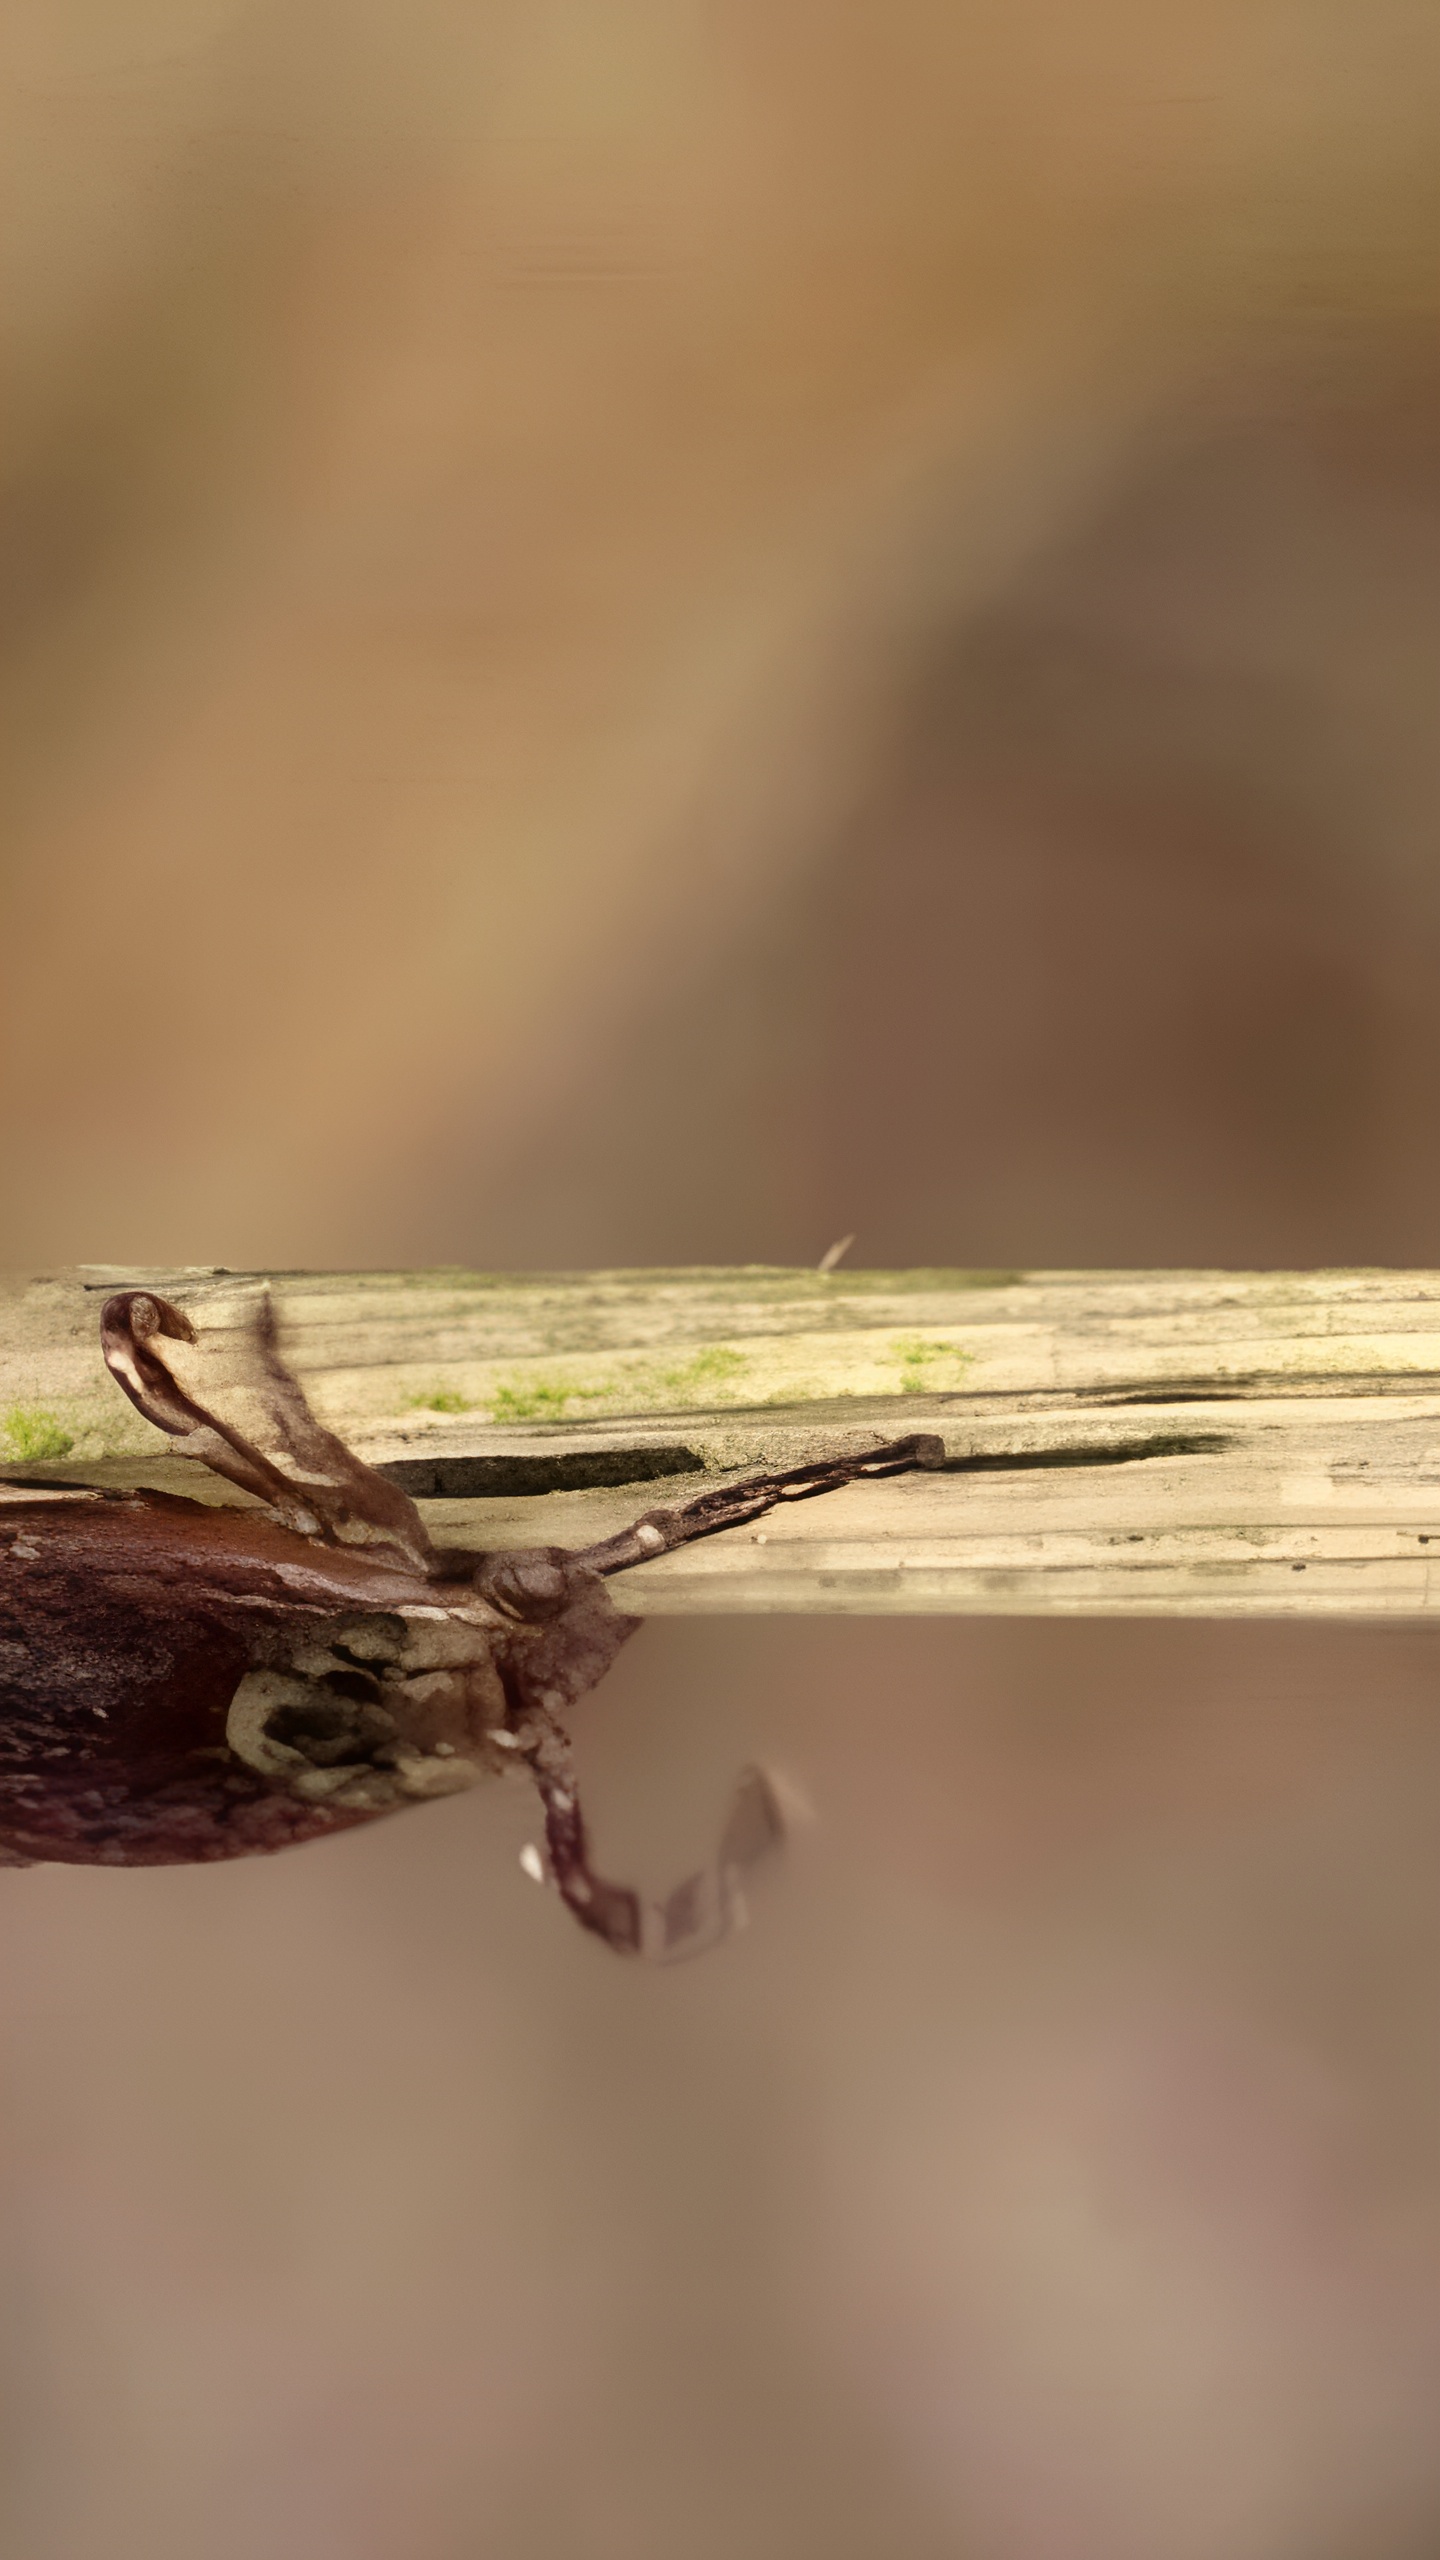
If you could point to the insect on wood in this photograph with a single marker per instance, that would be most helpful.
(182, 1682)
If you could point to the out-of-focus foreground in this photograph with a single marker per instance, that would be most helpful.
(641, 635)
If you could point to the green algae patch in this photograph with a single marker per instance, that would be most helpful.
(930, 1368)
(650, 1386)
(28, 1433)
(788, 1369)
(541, 1399)
(708, 1368)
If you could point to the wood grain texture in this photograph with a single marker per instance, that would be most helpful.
(1202, 1443)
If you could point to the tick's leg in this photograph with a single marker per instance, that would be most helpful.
(612, 1911)
(308, 1476)
(699, 1912)
(730, 1506)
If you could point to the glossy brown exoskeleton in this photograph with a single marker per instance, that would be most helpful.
(182, 1681)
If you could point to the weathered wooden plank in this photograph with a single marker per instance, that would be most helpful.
(1141, 1442)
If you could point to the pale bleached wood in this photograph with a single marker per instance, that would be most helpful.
(1196, 1443)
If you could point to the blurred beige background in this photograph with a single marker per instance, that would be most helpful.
(641, 634)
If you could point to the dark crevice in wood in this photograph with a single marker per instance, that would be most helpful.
(1123, 1453)
(1160, 1397)
(566, 1471)
(1273, 1386)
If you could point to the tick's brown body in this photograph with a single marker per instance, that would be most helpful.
(127, 1624)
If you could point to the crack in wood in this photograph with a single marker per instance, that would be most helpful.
(470, 1479)
(1116, 1453)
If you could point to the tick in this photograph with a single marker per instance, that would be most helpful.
(182, 1681)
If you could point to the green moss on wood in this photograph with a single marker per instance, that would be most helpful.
(30, 1434)
(928, 1368)
(649, 1387)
